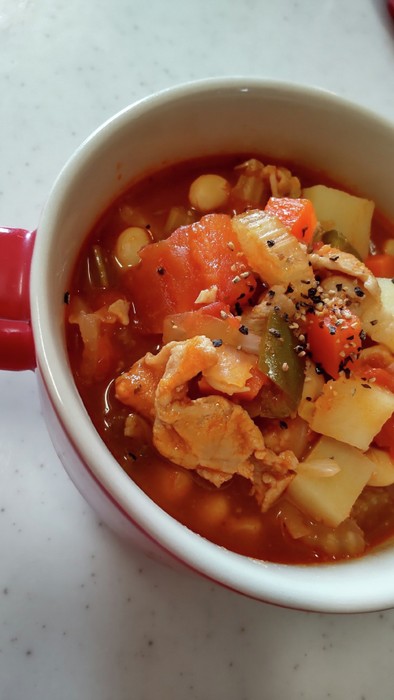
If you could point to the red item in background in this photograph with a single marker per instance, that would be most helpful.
(16, 338)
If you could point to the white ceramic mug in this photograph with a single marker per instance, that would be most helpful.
(306, 126)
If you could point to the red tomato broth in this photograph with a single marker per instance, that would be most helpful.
(239, 526)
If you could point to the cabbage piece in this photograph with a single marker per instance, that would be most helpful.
(273, 252)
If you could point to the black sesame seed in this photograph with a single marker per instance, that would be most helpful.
(274, 332)
(359, 292)
(334, 258)
(241, 296)
(238, 308)
(319, 369)
(67, 297)
(339, 287)
(244, 330)
(374, 322)
(217, 343)
(270, 243)
(289, 289)
(147, 226)
(332, 329)
(366, 386)
(160, 270)
(283, 424)
(350, 337)
(132, 455)
(271, 293)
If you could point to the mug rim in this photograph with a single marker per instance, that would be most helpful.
(281, 584)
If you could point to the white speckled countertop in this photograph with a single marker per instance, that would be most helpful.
(82, 617)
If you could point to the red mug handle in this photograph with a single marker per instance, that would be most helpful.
(16, 337)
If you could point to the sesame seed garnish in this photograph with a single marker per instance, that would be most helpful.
(359, 292)
(243, 329)
(285, 367)
(374, 322)
(223, 314)
(217, 343)
(236, 279)
(274, 332)
(283, 424)
(160, 270)
(270, 243)
(244, 275)
(230, 245)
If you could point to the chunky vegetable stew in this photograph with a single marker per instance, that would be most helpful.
(230, 327)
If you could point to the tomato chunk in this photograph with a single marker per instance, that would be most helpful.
(173, 272)
(297, 214)
(381, 265)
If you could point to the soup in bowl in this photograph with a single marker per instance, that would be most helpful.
(212, 310)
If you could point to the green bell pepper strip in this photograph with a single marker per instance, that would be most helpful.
(336, 239)
(280, 361)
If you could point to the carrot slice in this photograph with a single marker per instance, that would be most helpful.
(331, 343)
(381, 265)
(297, 214)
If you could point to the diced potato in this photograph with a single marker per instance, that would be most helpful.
(344, 212)
(313, 387)
(352, 411)
(330, 500)
(383, 473)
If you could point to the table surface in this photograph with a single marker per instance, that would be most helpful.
(82, 616)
